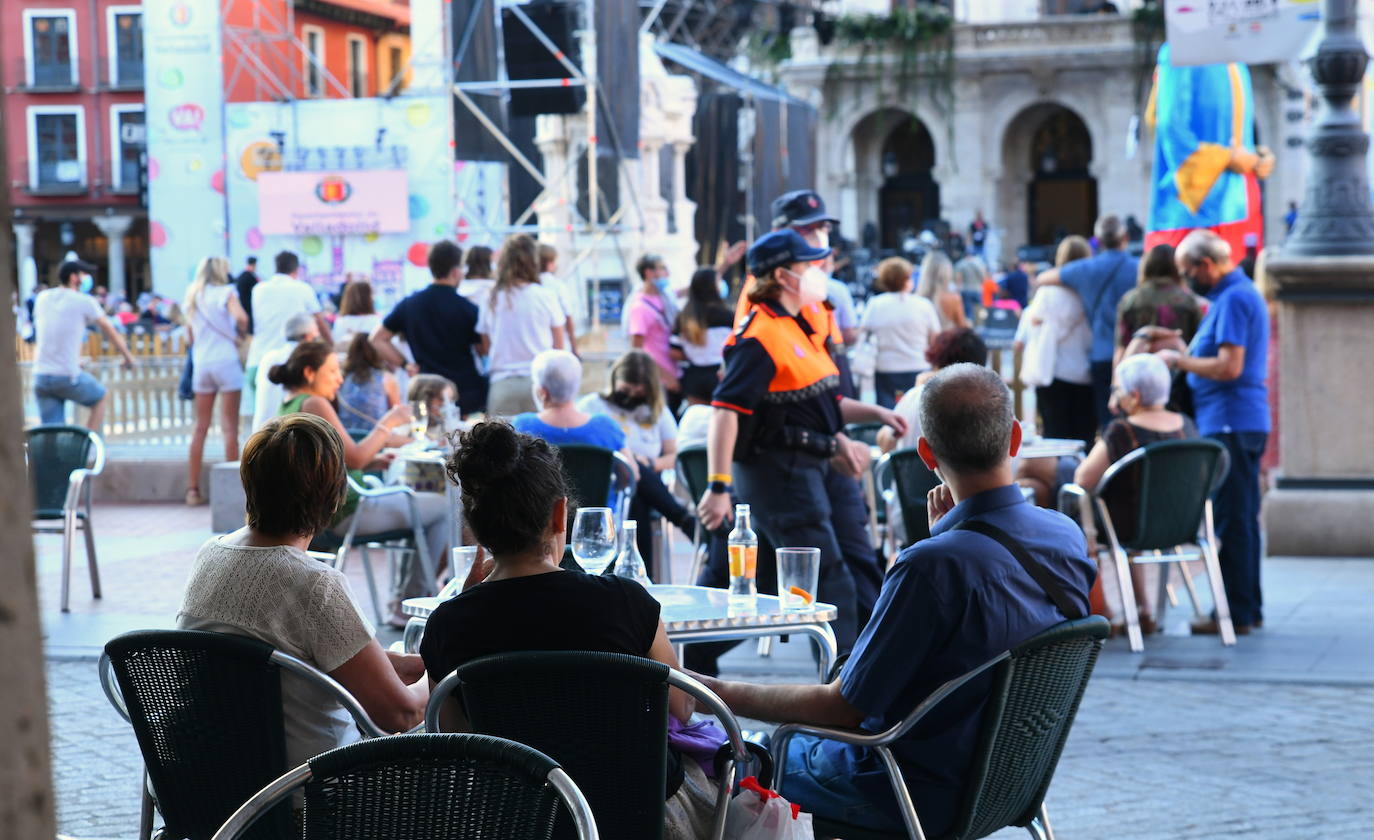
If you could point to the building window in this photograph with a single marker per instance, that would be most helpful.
(126, 146)
(50, 47)
(126, 46)
(398, 70)
(57, 148)
(357, 66)
(314, 61)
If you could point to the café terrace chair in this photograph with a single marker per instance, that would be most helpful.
(692, 473)
(903, 480)
(424, 786)
(1033, 693)
(1176, 480)
(596, 474)
(62, 460)
(206, 709)
(411, 538)
(603, 717)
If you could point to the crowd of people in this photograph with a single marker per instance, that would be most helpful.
(767, 376)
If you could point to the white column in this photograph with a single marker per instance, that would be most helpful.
(23, 252)
(114, 228)
(684, 210)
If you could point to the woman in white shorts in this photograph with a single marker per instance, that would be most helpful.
(215, 320)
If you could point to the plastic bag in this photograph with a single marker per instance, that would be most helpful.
(758, 813)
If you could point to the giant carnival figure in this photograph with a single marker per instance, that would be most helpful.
(1207, 167)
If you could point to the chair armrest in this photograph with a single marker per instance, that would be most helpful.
(97, 465)
(741, 756)
(76, 483)
(328, 683)
(437, 696)
(276, 792)
(111, 687)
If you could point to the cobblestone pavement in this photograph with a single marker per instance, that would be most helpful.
(1147, 759)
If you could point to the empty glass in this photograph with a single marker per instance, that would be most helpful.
(461, 565)
(799, 571)
(593, 539)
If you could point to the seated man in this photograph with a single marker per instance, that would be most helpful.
(949, 604)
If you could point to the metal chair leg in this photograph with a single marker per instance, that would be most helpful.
(68, 534)
(1123, 581)
(1190, 586)
(1219, 602)
(145, 811)
(371, 582)
(766, 646)
(1039, 827)
(90, 556)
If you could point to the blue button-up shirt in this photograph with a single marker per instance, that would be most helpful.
(949, 604)
(1101, 282)
(1237, 316)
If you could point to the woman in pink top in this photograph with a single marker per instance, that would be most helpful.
(652, 313)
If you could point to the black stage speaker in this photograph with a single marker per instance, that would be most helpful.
(527, 58)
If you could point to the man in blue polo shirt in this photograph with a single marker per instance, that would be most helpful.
(949, 604)
(1101, 282)
(1226, 365)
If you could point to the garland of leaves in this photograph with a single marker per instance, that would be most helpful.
(920, 36)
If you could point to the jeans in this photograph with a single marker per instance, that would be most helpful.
(652, 497)
(886, 385)
(1236, 508)
(53, 392)
(1067, 410)
(828, 788)
(1102, 392)
(849, 520)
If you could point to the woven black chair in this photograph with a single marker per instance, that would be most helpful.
(424, 787)
(602, 716)
(206, 709)
(904, 479)
(62, 460)
(1034, 695)
(594, 473)
(1175, 480)
(692, 472)
(863, 432)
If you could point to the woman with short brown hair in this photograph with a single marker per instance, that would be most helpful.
(260, 582)
(901, 324)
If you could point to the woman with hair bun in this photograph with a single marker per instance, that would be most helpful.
(519, 599)
(312, 377)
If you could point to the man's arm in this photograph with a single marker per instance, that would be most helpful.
(325, 335)
(1225, 366)
(117, 340)
(381, 342)
(1048, 277)
(818, 705)
(854, 411)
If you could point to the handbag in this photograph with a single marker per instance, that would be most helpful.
(863, 357)
(757, 813)
(184, 386)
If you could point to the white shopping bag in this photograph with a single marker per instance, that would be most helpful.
(760, 814)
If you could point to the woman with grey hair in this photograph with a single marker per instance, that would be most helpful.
(1144, 381)
(556, 378)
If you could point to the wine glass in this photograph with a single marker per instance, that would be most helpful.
(593, 539)
(419, 420)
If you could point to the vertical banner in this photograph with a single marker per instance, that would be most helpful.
(184, 107)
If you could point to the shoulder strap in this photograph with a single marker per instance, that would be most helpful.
(1048, 582)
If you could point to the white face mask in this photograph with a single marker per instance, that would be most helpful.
(811, 285)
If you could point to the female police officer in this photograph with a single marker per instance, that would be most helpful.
(776, 413)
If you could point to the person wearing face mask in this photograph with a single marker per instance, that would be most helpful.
(776, 416)
(651, 313)
(61, 316)
(1226, 365)
(635, 402)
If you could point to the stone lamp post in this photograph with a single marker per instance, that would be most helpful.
(1323, 503)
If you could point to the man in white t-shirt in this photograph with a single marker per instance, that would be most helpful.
(60, 318)
(274, 302)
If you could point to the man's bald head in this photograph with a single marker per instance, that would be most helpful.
(966, 417)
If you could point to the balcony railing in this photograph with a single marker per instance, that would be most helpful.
(47, 78)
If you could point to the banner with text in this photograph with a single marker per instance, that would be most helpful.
(184, 107)
(1250, 32)
(369, 201)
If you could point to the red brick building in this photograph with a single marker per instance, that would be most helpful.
(72, 78)
(72, 82)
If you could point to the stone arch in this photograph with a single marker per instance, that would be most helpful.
(893, 155)
(1049, 158)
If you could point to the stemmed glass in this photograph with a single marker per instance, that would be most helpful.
(593, 539)
(419, 420)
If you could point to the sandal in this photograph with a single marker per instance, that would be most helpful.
(193, 497)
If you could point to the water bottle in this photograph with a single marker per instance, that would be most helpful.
(630, 564)
(744, 553)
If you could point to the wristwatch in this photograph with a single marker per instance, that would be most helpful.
(718, 487)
